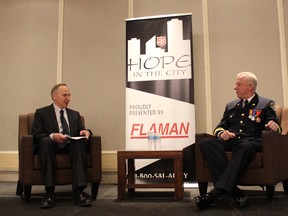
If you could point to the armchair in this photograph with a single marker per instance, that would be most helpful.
(266, 169)
(29, 164)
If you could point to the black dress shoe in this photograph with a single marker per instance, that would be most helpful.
(82, 199)
(204, 200)
(48, 201)
(240, 199)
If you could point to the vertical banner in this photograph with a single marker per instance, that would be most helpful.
(159, 88)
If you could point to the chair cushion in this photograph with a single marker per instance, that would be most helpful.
(62, 161)
(257, 161)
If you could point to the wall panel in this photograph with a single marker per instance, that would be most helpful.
(94, 65)
(285, 12)
(28, 50)
(244, 36)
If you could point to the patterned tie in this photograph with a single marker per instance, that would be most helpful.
(64, 123)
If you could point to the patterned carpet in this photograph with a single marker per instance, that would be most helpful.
(156, 202)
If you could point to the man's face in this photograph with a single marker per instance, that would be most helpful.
(243, 88)
(62, 97)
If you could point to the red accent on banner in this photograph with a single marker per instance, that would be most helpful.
(161, 41)
(162, 137)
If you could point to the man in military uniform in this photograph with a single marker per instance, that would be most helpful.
(239, 131)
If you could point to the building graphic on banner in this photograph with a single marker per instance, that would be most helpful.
(156, 64)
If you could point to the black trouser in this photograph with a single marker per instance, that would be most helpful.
(224, 173)
(47, 150)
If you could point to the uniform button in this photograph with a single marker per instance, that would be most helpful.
(240, 131)
(241, 122)
(242, 114)
(239, 137)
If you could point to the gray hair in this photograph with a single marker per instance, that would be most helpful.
(55, 88)
(250, 77)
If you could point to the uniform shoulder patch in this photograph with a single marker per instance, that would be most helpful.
(272, 105)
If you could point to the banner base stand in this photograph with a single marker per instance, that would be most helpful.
(190, 185)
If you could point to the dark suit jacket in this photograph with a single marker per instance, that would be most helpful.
(45, 123)
(249, 121)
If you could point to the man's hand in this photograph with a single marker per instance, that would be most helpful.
(271, 125)
(85, 133)
(60, 138)
(226, 135)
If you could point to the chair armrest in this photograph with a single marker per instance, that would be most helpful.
(96, 153)
(199, 159)
(275, 154)
(25, 152)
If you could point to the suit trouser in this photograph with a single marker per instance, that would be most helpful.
(225, 173)
(76, 149)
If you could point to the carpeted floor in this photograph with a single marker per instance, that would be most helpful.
(156, 202)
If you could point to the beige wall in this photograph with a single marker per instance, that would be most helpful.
(94, 65)
(244, 36)
(228, 37)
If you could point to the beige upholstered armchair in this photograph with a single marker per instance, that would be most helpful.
(30, 169)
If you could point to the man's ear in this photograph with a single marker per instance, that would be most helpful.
(53, 96)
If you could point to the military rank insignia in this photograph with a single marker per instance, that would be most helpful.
(254, 115)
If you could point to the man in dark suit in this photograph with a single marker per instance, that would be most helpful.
(239, 131)
(51, 129)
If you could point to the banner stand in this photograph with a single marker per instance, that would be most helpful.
(160, 90)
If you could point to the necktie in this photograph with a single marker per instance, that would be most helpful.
(64, 123)
(245, 103)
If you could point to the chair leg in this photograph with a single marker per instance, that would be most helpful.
(285, 186)
(270, 190)
(27, 192)
(94, 189)
(19, 188)
(203, 187)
